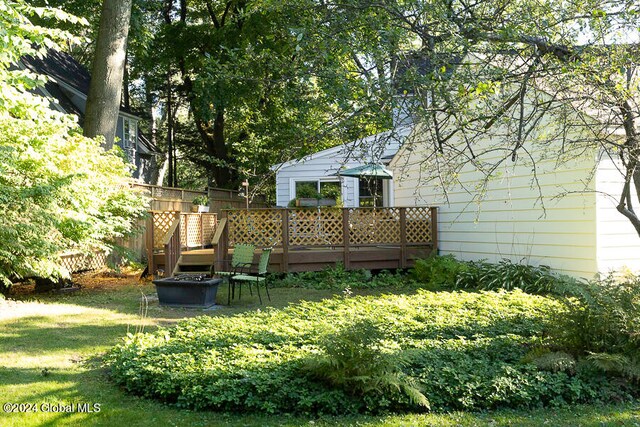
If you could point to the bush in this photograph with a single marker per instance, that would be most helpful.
(509, 275)
(446, 272)
(601, 324)
(439, 271)
(201, 200)
(459, 350)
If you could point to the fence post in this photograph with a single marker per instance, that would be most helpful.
(346, 238)
(403, 237)
(285, 240)
(434, 229)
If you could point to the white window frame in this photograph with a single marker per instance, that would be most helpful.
(130, 138)
(293, 183)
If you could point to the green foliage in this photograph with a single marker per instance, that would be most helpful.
(59, 190)
(448, 273)
(601, 323)
(459, 350)
(359, 360)
(307, 191)
(201, 200)
(331, 192)
(338, 278)
(438, 271)
(509, 275)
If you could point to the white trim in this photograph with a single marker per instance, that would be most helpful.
(401, 133)
(318, 180)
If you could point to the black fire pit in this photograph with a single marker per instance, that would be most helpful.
(188, 290)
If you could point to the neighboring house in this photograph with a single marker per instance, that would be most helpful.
(68, 86)
(560, 216)
(321, 169)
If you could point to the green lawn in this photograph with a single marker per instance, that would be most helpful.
(50, 353)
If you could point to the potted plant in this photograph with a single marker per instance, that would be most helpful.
(330, 195)
(200, 204)
(307, 195)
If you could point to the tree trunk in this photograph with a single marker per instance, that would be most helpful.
(103, 102)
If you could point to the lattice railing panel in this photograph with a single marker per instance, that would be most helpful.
(190, 230)
(161, 223)
(418, 225)
(374, 226)
(196, 229)
(315, 227)
(260, 227)
(75, 262)
(209, 224)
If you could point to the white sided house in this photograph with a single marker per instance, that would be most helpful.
(562, 215)
(321, 169)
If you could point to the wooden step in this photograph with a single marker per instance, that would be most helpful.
(191, 265)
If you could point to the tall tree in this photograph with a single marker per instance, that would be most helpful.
(60, 191)
(265, 81)
(103, 102)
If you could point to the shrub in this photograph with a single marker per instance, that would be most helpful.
(358, 360)
(446, 272)
(601, 324)
(509, 275)
(361, 354)
(438, 271)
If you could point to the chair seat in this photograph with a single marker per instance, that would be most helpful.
(224, 273)
(246, 277)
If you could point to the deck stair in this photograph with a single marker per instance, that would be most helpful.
(194, 262)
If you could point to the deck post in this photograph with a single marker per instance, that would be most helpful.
(285, 240)
(434, 229)
(223, 244)
(201, 231)
(345, 238)
(150, 260)
(403, 237)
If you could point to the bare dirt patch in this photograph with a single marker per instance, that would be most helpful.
(90, 280)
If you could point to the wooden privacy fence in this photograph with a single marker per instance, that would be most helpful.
(171, 232)
(180, 199)
(395, 232)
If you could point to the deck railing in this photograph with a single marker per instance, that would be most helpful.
(193, 230)
(343, 228)
(330, 227)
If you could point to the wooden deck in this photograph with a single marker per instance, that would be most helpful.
(302, 239)
(314, 259)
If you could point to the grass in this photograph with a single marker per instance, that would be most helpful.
(50, 352)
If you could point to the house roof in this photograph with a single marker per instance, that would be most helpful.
(61, 67)
(63, 71)
(398, 134)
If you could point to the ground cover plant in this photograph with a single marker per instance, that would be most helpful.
(338, 278)
(50, 351)
(439, 351)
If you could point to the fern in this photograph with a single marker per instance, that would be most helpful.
(355, 359)
(628, 367)
(555, 361)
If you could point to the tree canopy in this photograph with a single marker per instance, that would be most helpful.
(233, 87)
(59, 190)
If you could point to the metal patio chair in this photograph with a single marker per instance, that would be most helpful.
(258, 277)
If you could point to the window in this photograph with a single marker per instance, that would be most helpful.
(371, 192)
(327, 189)
(129, 138)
